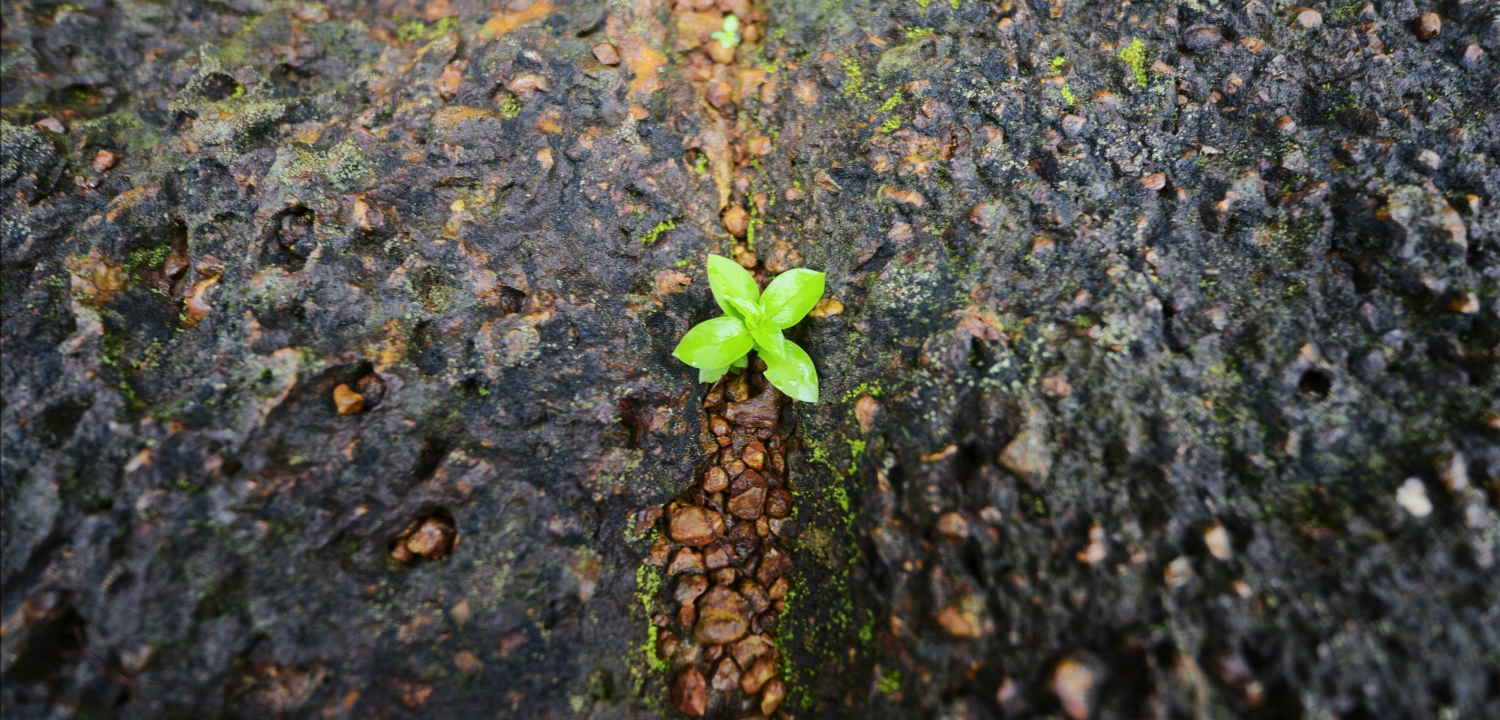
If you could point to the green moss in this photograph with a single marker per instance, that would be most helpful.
(1134, 55)
(889, 682)
(414, 30)
(147, 257)
(854, 78)
(661, 227)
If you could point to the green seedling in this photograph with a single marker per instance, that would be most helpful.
(754, 320)
(729, 35)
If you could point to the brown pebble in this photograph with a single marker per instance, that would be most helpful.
(690, 692)
(725, 576)
(778, 503)
(1154, 181)
(736, 221)
(779, 589)
(716, 557)
(347, 401)
(759, 601)
(689, 587)
(687, 560)
(1286, 125)
(723, 617)
(754, 455)
(692, 526)
(51, 124)
(727, 676)
(719, 94)
(763, 670)
(750, 649)
(1202, 39)
(666, 644)
(775, 692)
(762, 526)
(104, 160)
(432, 539)
(606, 54)
(687, 615)
(715, 479)
(713, 652)
(774, 563)
(733, 467)
(1465, 302)
(718, 425)
(953, 525)
(1428, 26)
(660, 551)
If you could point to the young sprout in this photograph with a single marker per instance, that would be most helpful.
(729, 36)
(754, 320)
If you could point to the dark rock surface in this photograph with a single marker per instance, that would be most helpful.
(1161, 378)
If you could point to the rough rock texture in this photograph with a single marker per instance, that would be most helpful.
(1142, 319)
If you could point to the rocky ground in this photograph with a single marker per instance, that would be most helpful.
(1158, 361)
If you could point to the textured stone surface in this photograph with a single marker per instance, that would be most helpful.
(1265, 267)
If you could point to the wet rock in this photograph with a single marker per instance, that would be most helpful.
(689, 587)
(771, 696)
(754, 455)
(715, 479)
(747, 495)
(761, 411)
(778, 503)
(686, 560)
(723, 617)
(690, 692)
(726, 676)
(692, 526)
(757, 675)
(774, 563)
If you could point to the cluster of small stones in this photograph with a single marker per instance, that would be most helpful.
(725, 559)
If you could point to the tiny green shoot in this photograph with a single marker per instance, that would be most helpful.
(753, 320)
(729, 35)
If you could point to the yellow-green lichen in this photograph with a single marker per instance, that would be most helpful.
(1134, 56)
(661, 227)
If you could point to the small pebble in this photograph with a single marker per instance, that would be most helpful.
(723, 617)
(1309, 18)
(1202, 39)
(1073, 682)
(775, 692)
(1429, 159)
(692, 526)
(104, 160)
(736, 221)
(1154, 181)
(1217, 540)
(606, 54)
(1412, 495)
(690, 692)
(347, 401)
(1466, 303)
(51, 124)
(756, 677)
(1428, 26)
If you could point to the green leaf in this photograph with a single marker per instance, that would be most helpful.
(793, 373)
(768, 341)
(749, 311)
(741, 363)
(728, 280)
(790, 296)
(708, 376)
(714, 343)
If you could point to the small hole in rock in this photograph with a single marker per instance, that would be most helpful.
(1315, 382)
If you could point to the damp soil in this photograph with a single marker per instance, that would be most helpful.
(1158, 359)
